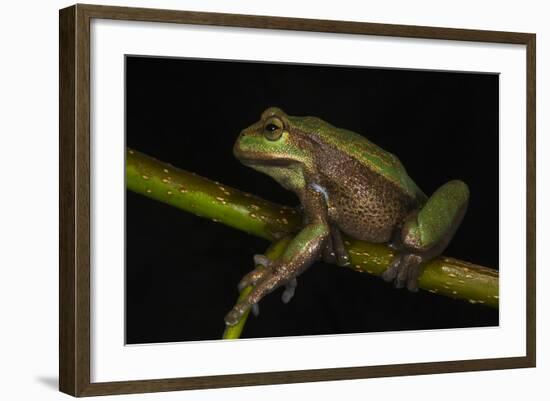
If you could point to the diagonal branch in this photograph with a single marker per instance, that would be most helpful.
(157, 180)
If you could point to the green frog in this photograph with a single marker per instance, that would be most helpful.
(346, 185)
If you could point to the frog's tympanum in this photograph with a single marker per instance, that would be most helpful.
(346, 185)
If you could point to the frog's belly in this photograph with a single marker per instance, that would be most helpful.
(368, 213)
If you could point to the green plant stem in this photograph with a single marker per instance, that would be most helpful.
(157, 180)
(275, 250)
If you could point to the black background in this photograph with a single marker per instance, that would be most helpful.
(182, 270)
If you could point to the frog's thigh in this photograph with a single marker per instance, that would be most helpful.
(434, 225)
(426, 233)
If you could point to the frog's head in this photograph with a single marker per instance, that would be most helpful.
(273, 144)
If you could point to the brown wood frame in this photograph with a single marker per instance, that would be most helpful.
(74, 176)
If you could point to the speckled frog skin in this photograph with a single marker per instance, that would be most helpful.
(346, 184)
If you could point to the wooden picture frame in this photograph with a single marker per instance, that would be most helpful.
(74, 295)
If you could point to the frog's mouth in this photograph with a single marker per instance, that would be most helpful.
(251, 161)
(260, 159)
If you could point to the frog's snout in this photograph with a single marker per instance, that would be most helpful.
(237, 151)
(236, 148)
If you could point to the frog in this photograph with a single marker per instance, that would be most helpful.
(347, 187)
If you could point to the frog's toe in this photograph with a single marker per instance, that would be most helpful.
(262, 260)
(391, 272)
(404, 271)
(336, 254)
(255, 310)
(414, 264)
(289, 291)
(328, 255)
(412, 278)
(233, 317)
(342, 259)
(412, 285)
(402, 275)
(251, 278)
(263, 268)
(342, 256)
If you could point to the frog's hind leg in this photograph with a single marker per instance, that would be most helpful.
(426, 233)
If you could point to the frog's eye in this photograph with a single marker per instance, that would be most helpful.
(273, 128)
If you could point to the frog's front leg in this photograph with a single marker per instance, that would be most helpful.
(426, 233)
(303, 250)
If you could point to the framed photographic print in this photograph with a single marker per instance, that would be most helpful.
(252, 200)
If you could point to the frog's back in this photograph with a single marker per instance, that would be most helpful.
(365, 152)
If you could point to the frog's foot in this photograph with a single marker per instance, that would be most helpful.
(263, 267)
(262, 287)
(264, 279)
(275, 276)
(257, 277)
(404, 270)
(233, 317)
